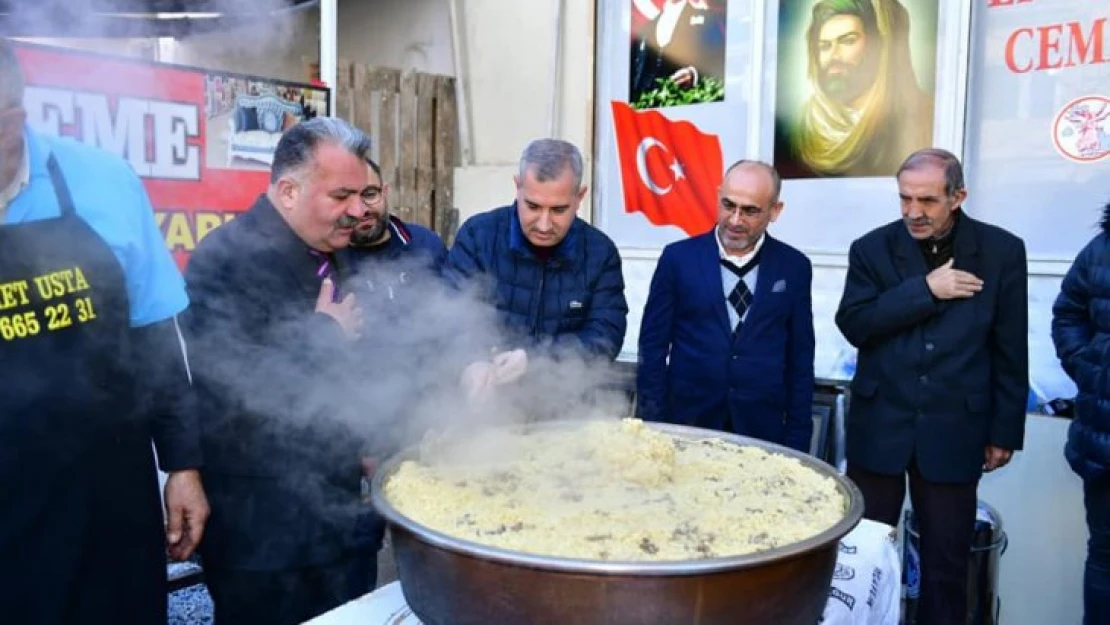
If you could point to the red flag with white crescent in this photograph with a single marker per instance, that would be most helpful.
(670, 170)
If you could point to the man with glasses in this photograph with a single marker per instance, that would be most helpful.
(726, 340)
(92, 370)
(393, 268)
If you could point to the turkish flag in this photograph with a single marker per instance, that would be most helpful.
(670, 170)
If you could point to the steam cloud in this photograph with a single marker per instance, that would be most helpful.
(402, 380)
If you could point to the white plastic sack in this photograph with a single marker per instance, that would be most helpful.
(866, 587)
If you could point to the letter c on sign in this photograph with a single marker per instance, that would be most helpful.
(1011, 43)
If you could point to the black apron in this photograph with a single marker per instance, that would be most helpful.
(81, 534)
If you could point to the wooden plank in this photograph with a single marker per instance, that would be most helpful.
(384, 79)
(344, 90)
(425, 146)
(388, 130)
(406, 164)
(446, 130)
(363, 98)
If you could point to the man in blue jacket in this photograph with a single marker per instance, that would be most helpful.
(727, 340)
(936, 304)
(555, 280)
(1081, 332)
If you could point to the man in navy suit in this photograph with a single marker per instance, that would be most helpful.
(726, 340)
(936, 304)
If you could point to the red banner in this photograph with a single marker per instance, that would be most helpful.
(201, 140)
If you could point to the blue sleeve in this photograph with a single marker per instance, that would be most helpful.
(1072, 329)
(433, 245)
(607, 319)
(154, 285)
(462, 262)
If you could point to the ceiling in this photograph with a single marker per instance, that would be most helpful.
(136, 18)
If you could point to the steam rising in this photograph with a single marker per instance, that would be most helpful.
(321, 404)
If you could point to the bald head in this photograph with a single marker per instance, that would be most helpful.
(773, 177)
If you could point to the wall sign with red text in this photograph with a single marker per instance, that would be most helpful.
(1038, 125)
(201, 140)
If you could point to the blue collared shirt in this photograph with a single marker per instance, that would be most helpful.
(111, 199)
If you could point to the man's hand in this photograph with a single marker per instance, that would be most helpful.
(995, 457)
(686, 77)
(186, 513)
(369, 466)
(509, 366)
(477, 379)
(346, 313)
(948, 283)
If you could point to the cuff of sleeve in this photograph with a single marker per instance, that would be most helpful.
(1007, 437)
(180, 456)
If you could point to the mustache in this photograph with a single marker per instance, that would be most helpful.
(346, 221)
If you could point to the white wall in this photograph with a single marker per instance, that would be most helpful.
(1040, 501)
(402, 34)
(510, 80)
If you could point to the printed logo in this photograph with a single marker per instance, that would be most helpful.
(844, 572)
(843, 597)
(876, 579)
(1081, 131)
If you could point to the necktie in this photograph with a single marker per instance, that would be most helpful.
(326, 269)
(741, 296)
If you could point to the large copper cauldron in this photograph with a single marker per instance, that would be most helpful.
(449, 581)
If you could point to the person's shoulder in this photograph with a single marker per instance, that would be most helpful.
(993, 235)
(879, 237)
(684, 248)
(594, 237)
(79, 160)
(422, 237)
(488, 219)
(788, 252)
(231, 241)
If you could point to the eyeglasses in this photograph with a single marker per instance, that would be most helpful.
(746, 210)
(372, 196)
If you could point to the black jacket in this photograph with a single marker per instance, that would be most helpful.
(939, 380)
(283, 471)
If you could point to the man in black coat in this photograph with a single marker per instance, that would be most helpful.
(936, 305)
(271, 340)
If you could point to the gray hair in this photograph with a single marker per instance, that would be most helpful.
(297, 147)
(547, 159)
(776, 179)
(953, 170)
(11, 77)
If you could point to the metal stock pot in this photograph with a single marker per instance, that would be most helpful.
(450, 581)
